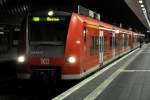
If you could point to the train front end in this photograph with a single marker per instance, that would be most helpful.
(42, 45)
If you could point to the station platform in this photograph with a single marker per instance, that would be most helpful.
(128, 78)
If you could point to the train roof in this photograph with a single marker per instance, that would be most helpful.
(105, 25)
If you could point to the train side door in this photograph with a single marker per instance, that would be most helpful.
(101, 46)
(92, 44)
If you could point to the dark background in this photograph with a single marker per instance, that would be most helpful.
(115, 12)
(112, 11)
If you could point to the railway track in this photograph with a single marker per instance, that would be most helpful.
(13, 89)
(29, 93)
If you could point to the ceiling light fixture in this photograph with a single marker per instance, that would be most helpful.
(142, 6)
(140, 1)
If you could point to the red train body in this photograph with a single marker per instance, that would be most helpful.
(84, 45)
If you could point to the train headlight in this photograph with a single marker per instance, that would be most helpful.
(71, 59)
(51, 13)
(21, 59)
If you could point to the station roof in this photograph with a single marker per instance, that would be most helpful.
(141, 8)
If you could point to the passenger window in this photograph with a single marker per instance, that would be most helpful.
(125, 40)
(111, 40)
(116, 41)
(96, 44)
(122, 40)
(105, 43)
(92, 45)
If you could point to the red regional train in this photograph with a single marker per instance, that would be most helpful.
(69, 46)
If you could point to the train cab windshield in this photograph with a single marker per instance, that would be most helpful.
(48, 32)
